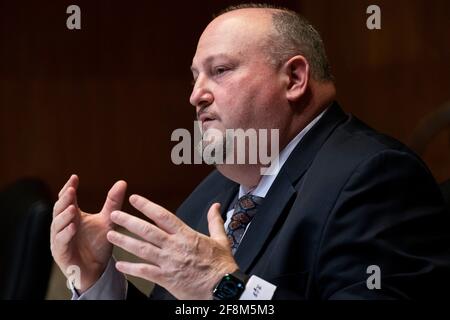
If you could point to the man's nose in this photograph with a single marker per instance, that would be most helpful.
(201, 97)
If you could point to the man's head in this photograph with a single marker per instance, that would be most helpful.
(291, 35)
(260, 68)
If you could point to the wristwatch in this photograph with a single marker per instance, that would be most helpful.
(231, 286)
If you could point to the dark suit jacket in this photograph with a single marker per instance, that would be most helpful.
(346, 198)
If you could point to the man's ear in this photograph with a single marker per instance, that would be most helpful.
(297, 71)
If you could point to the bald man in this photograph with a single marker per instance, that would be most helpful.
(348, 214)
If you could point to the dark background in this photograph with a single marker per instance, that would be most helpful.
(103, 101)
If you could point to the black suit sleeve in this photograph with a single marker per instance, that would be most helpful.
(391, 214)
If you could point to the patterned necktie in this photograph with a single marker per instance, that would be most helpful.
(244, 211)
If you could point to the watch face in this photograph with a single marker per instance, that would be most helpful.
(229, 288)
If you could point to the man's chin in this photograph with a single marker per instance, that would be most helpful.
(210, 125)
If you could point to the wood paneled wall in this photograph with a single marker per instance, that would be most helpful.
(103, 101)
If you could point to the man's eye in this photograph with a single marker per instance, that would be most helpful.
(220, 70)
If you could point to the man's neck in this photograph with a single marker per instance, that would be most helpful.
(249, 176)
(246, 175)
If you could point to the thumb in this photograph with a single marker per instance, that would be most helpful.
(215, 224)
(115, 197)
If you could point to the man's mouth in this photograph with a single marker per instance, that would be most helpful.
(206, 118)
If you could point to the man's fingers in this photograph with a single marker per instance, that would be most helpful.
(63, 237)
(215, 224)
(142, 228)
(162, 217)
(72, 182)
(137, 247)
(114, 199)
(141, 270)
(63, 219)
(66, 199)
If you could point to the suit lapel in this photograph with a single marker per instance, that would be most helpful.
(277, 200)
(264, 222)
(304, 153)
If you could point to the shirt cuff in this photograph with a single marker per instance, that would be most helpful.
(258, 289)
(112, 285)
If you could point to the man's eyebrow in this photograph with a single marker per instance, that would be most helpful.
(211, 58)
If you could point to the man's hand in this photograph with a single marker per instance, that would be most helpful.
(186, 263)
(79, 238)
